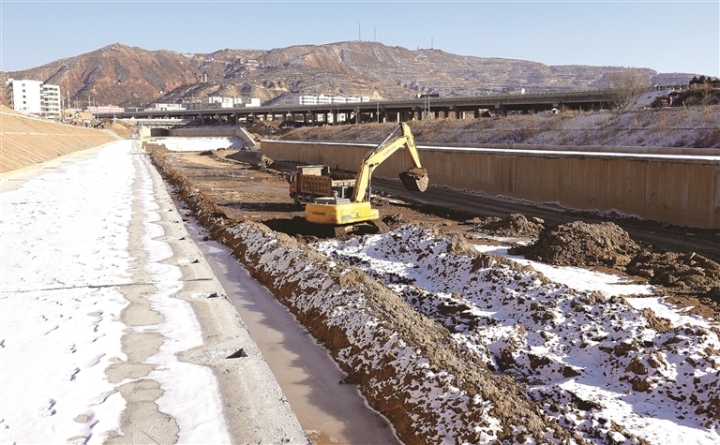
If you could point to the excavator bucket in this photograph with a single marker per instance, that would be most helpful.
(415, 179)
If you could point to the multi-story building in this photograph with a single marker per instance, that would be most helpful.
(224, 102)
(305, 100)
(322, 100)
(164, 107)
(50, 103)
(25, 95)
(34, 97)
(105, 109)
(211, 102)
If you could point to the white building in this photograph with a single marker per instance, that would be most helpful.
(305, 100)
(224, 102)
(105, 109)
(34, 97)
(323, 100)
(357, 99)
(165, 107)
(50, 101)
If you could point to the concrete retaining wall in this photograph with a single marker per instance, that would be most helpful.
(682, 190)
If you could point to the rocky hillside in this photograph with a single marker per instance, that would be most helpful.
(130, 76)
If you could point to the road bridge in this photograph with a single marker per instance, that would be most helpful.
(387, 111)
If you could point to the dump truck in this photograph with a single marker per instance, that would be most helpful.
(316, 181)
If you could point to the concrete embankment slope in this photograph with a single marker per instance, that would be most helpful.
(114, 323)
(26, 141)
(676, 186)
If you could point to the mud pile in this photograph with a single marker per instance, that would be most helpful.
(516, 225)
(120, 128)
(680, 270)
(682, 275)
(607, 245)
(583, 245)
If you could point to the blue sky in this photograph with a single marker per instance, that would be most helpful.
(667, 36)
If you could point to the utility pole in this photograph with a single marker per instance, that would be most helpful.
(374, 34)
(359, 35)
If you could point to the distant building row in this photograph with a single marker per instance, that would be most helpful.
(209, 102)
(220, 102)
(34, 97)
(324, 100)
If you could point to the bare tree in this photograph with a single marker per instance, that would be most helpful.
(627, 84)
(708, 95)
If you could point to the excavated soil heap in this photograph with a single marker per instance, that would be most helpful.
(120, 128)
(583, 245)
(516, 225)
(607, 245)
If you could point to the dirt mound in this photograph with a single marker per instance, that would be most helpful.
(683, 274)
(583, 245)
(607, 245)
(264, 162)
(119, 128)
(516, 225)
(676, 269)
(266, 129)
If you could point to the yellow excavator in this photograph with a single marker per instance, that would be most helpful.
(347, 214)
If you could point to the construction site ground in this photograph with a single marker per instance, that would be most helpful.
(243, 191)
(462, 324)
(230, 192)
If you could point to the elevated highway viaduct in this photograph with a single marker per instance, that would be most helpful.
(385, 111)
(664, 185)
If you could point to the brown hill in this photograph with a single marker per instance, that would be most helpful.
(130, 76)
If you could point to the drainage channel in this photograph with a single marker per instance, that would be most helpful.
(330, 411)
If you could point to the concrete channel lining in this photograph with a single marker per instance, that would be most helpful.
(676, 186)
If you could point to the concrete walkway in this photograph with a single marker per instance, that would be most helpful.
(113, 328)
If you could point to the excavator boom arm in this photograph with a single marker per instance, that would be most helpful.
(379, 154)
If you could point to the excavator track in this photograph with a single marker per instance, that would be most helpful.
(363, 228)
